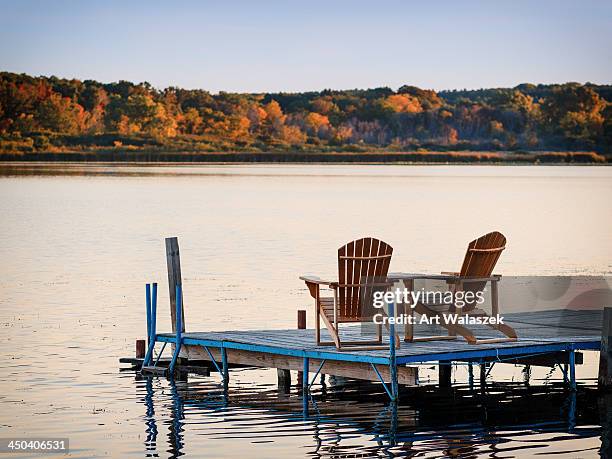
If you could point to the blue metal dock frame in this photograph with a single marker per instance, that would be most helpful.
(475, 354)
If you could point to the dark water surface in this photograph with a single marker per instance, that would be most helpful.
(79, 242)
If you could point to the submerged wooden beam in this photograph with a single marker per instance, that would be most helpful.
(357, 370)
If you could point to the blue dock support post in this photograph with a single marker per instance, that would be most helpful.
(572, 369)
(153, 310)
(152, 307)
(148, 304)
(392, 359)
(471, 375)
(225, 369)
(179, 326)
(305, 381)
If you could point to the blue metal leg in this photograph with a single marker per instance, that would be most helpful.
(225, 369)
(565, 371)
(393, 426)
(212, 359)
(179, 326)
(154, 308)
(160, 354)
(572, 369)
(571, 412)
(382, 381)
(316, 374)
(148, 304)
(152, 325)
(305, 379)
(392, 359)
(471, 375)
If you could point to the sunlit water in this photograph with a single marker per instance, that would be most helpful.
(78, 243)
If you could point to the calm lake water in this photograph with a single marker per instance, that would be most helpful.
(79, 242)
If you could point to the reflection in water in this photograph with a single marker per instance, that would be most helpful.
(352, 418)
(151, 441)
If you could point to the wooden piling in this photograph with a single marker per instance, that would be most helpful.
(140, 348)
(284, 380)
(605, 355)
(301, 319)
(301, 325)
(173, 260)
(444, 374)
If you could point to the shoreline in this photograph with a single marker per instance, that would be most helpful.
(374, 158)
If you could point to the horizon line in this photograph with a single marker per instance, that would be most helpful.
(216, 92)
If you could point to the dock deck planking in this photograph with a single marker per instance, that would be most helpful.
(539, 332)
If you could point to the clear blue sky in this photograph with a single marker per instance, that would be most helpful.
(253, 46)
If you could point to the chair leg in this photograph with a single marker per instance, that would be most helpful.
(453, 330)
(331, 329)
(317, 325)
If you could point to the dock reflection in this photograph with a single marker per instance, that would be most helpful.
(355, 418)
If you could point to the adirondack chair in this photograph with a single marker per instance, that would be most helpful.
(362, 269)
(476, 271)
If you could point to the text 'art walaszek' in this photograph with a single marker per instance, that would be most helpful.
(458, 299)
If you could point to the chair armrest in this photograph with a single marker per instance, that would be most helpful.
(492, 277)
(310, 279)
(314, 284)
(416, 276)
(446, 276)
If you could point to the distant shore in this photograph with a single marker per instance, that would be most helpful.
(458, 157)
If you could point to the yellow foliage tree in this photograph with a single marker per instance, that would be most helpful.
(403, 103)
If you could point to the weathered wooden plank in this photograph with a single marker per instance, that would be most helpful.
(173, 260)
(536, 333)
(356, 370)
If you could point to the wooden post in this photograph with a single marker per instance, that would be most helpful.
(605, 355)
(301, 325)
(173, 260)
(604, 403)
(301, 319)
(284, 380)
(444, 374)
(140, 348)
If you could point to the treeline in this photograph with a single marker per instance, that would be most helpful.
(49, 114)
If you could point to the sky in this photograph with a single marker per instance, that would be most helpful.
(273, 46)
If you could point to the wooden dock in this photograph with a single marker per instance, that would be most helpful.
(545, 338)
(545, 332)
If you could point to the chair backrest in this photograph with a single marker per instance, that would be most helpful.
(482, 255)
(480, 260)
(361, 263)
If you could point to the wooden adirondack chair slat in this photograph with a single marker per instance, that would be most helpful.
(480, 259)
(362, 267)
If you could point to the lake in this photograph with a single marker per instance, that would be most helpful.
(79, 242)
